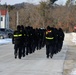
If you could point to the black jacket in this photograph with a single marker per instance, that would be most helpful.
(17, 37)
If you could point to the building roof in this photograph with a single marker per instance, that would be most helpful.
(3, 12)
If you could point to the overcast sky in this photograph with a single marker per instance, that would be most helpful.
(11, 2)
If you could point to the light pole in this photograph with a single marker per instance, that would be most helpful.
(17, 18)
(0, 19)
(0, 15)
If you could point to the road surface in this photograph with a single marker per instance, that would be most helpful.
(33, 64)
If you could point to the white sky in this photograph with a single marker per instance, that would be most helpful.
(61, 2)
(11, 2)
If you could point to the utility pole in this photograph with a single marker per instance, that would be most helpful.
(17, 18)
(0, 15)
(0, 19)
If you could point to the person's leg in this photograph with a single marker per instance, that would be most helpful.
(15, 51)
(47, 51)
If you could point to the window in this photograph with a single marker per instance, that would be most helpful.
(1, 18)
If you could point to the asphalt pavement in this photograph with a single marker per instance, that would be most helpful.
(33, 64)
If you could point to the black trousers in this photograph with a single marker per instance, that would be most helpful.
(18, 50)
(60, 44)
(49, 50)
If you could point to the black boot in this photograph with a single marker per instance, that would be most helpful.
(47, 56)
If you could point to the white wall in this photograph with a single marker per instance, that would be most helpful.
(3, 22)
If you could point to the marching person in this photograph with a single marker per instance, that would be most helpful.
(49, 42)
(60, 38)
(17, 41)
(22, 30)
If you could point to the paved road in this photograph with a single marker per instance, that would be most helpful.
(33, 64)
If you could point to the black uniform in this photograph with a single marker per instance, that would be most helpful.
(60, 38)
(22, 30)
(49, 42)
(17, 41)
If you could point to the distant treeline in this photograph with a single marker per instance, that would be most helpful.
(42, 15)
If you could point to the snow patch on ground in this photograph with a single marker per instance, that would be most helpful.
(5, 41)
(74, 37)
(73, 72)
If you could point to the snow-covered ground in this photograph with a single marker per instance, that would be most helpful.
(70, 37)
(5, 41)
(74, 37)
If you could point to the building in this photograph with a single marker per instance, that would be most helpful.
(4, 19)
